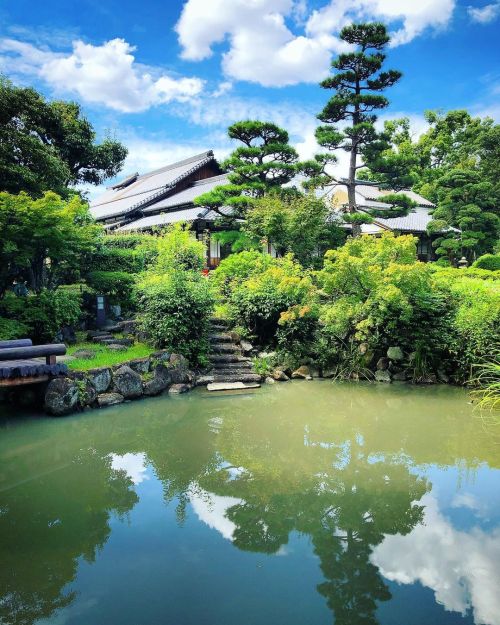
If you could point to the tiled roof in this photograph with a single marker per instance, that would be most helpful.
(417, 220)
(372, 192)
(187, 196)
(163, 219)
(143, 190)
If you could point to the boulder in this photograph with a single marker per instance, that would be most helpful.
(427, 379)
(383, 363)
(175, 389)
(395, 353)
(328, 373)
(178, 369)
(235, 337)
(399, 376)
(161, 356)
(159, 382)
(100, 378)
(203, 380)
(84, 354)
(302, 372)
(109, 399)
(87, 394)
(270, 380)
(442, 376)
(140, 365)
(116, 347)
(61, 396)
(363, 348)
(127, 382)
(279, 375)
(246, 347)
(382, 375)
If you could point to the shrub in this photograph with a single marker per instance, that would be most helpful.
(236, 268)
(179, 249)
(42, 315)
(490, 262)
(258, 301)
(12, 329)
(117, 285)
(175, 312)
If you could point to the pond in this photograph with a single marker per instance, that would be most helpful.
(301, 503)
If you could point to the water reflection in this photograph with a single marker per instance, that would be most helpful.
(346, 470)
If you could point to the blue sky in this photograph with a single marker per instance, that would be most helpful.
(166, 78)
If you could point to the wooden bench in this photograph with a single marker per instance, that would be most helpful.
(18, 364)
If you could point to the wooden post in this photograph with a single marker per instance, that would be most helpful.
(51, 359)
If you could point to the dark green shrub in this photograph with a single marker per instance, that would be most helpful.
(115, 259)
(44, 314)
(175, 312)
(117, 285)
(491, 262)
(12, 329)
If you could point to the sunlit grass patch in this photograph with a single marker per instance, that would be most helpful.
(105, 357)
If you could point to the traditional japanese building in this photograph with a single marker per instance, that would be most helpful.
(368, 198)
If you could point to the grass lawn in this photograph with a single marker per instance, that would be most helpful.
(105, 357)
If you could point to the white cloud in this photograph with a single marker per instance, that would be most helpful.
(460, 567)
(107, 74)
(263, 48)
(134, 465)
(486, 14)
(212, 509)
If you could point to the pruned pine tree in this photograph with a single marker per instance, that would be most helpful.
(264, 163)
(357, 83)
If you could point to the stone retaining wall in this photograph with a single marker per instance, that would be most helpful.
(106, 386)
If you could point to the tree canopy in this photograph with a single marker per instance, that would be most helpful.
(49, 145)
(264, 163)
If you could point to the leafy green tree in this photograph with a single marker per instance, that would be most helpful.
(50, 146)
(297, 224)
(264, 163)
(467, 202)
(42, 238)
(357, 84)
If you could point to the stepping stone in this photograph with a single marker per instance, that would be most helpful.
(230, 386)
(221, 338)
(225, 348)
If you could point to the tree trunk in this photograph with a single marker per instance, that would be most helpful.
(351, 191)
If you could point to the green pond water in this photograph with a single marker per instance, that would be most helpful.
(301, 503)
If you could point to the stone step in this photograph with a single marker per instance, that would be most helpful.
(231, 366)
(238, 377)
(224, 358)
(230, 386)
(225, 348)
(221, 338)
(102, 337)
(219, 323)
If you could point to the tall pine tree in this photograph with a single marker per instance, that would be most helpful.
(264, 163)
(358, 83)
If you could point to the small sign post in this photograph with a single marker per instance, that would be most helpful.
(101, 311)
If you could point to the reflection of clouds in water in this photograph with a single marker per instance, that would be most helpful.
(462, 568)
(134, 466)
(211, 509)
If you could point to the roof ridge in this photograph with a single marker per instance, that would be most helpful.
(206, 180)
(191, 159)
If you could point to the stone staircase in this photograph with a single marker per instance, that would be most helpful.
(228, 365)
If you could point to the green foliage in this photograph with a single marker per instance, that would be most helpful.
(489, 262)
(41, 316)
(257, 299)
(487, 379)
(264, 162)
(117, 285)
(175, 312)
(43, 239)
(49, 146)
(295, 223)
(235, 269)
(12, 329)
(178, 249)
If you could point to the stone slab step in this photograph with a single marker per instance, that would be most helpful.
(215, 321)
(238, 377)
(221, 338)
(225, 348)
(230, 386)
(224, 358)
(227, 369)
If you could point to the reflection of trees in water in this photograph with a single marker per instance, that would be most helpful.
(50, 522)
(340, 497)
(343, 482)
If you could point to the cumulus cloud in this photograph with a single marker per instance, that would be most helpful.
(106, 74)
(486, 14)
(460, 567)
(262, 47)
